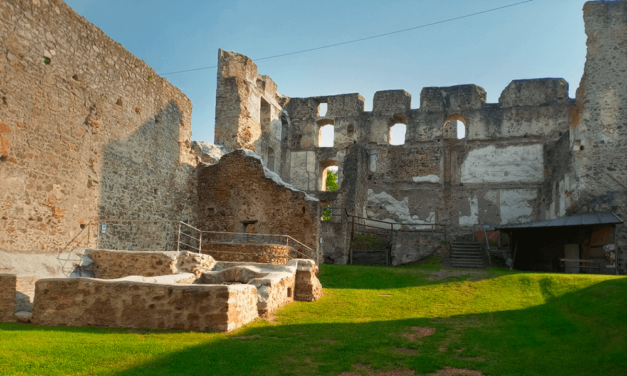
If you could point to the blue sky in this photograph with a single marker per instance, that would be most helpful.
(542, 38)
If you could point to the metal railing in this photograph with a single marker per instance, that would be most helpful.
(161, 235)
(224, 237)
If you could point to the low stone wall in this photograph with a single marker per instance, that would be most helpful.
(308, 286)
(274, 283)
(262, 253)
(111, 264)
(97, 302)
(8, 284)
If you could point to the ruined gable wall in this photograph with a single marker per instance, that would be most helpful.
(248, 110)
(93, 133)
(598, 122)
(238, 190)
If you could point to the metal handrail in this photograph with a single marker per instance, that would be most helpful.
(287, 237)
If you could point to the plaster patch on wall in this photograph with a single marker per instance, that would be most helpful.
(276, 127)
(303, 170)
(473, 218)
(515, 205)
(373, 163)
(492, 196)
(398, 208)
(427, 178)
(500, 165)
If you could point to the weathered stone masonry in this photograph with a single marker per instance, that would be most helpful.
(536, 154)
(87, 131)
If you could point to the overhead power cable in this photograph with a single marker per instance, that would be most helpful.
(367, 38)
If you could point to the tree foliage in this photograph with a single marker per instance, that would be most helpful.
(331, 180)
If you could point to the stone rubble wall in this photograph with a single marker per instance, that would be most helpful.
(240, 192)
(8, 284)
(599, 120)
(264, 253)
(275, 287)
(112, 264)
(87, 131)
(96, 302)
(308, 286)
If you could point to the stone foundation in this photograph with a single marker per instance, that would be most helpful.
(97, 302)
(261, 253)
(275, 283)
(8, 285)
(111, 264)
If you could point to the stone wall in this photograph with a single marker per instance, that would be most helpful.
(94, 302)
(268, 253)
(112, 264)
(598, 122)
(239, 194)
(8, 284)
(248, 110)
(87, 131)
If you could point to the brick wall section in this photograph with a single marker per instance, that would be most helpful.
(237, 190)
(8, 283)
(89, 302)
(264, 253)
(86, 130)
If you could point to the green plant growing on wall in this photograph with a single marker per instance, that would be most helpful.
(331, 180)
(327, 213)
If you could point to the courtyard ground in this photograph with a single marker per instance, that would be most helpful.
(421, 319)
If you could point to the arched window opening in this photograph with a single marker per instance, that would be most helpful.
(329, 178)
(271, 159)
(455, 127)
(264, 115)
(322, 109)
(326, 133)
(397, 134)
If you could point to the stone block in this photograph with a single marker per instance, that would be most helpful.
(8, 285)
(391, 102)
(534, 92)
(308, 287)
(453, 99)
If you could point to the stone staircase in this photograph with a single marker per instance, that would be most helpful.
(467, 255)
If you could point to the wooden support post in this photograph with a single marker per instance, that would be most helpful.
(511, 267)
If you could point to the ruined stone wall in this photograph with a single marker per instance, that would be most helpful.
(239, 194)
(494, 175)
(598, 122)
(96, 302)
(8, 283)
(87, 130)
(248, 111)
(264, 253)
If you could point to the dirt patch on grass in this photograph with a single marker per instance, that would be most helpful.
(457, 372)
(365, 370)
(447, 273)
(270, 317)
(418, 332)
(404, 350)
(248, 337)
(385, 295)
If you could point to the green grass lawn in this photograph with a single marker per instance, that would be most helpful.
(494, 321)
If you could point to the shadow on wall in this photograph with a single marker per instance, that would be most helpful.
(142, 177)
